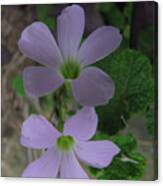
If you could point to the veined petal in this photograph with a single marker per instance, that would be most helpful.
(38, 133)
(70, 29)
(82, 125)
(47, 166)
(37, 43)
(99, 44)
(39, 81)
(98, 154)
(93, 87)
(70, 167)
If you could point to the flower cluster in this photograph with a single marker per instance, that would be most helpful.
(67, 60)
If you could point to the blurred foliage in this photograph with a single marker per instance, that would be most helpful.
(131, 72)
(146, 41)
(32, 110)
(127, 165)
(126, 143)
(17, 85)
(121, 18)
(43, 15)
(151, 121)
(47, 103)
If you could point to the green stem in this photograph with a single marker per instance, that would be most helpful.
(63, 98)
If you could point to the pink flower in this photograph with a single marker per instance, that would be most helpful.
(66, 59)
(64, 151)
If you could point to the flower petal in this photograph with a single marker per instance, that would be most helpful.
(82, 125)
(39, 81)
(99, 44)
(70, 167)
(70, 29)
(38, 133)
(37, 43)
(93, 87)
(98, 154)
(46, 166)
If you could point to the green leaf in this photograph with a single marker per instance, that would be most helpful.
(42, 11)
(131, 72)
(112, 14)
(50, 22)
(126, 143)
(122, 170)
(43, 15)
(17, 85)
(128, 165)
(121, 18)
(47, 102)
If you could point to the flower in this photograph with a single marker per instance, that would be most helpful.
(67, 60)
(65, 151)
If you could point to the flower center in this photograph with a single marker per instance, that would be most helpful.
(65, 143)
(70, 69)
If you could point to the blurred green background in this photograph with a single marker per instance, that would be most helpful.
(130, 118)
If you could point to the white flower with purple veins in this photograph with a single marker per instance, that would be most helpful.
(65, 151)
(66, 59)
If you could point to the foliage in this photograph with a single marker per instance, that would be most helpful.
(17, 85)
(126, 143)
(121, 18)
(128, 165)
(43, 15)
(47, 103)
(151, 121)
(132, 74)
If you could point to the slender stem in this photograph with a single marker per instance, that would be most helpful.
(124, 120)
(63, 99)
